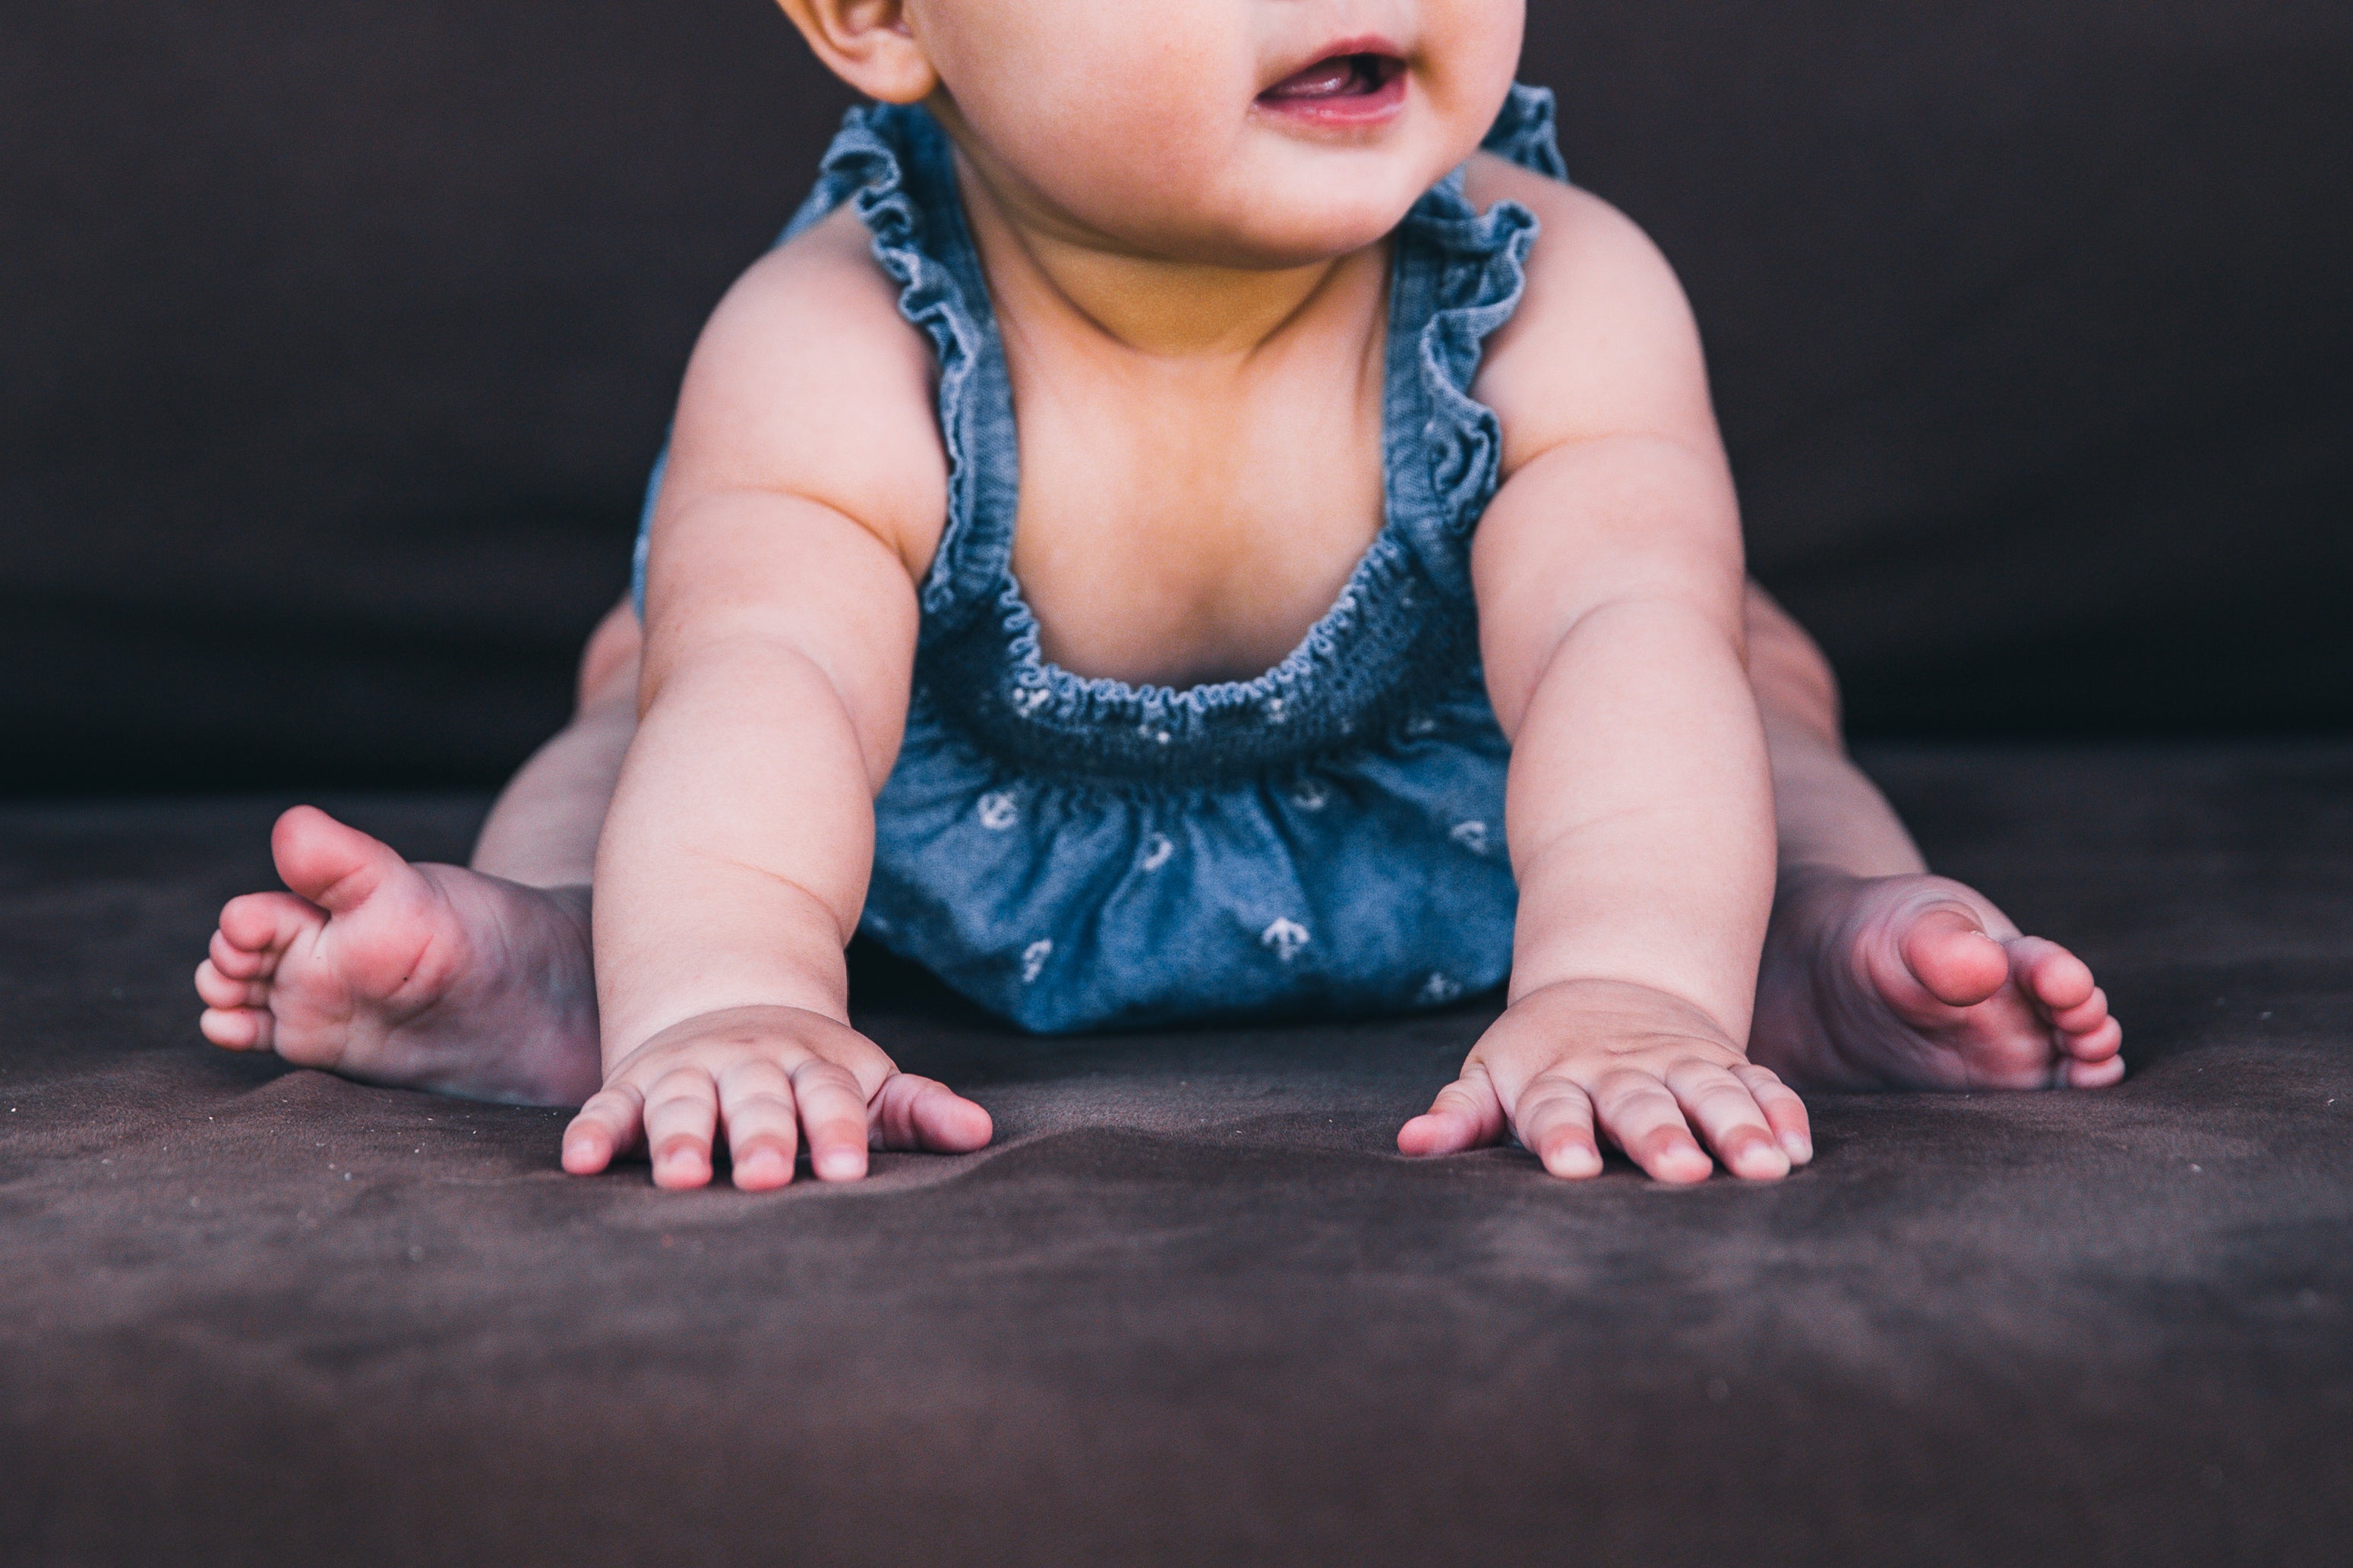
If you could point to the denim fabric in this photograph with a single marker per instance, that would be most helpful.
(1326, 838)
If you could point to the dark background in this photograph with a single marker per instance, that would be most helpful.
(335, 338)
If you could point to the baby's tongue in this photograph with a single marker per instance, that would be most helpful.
(1325, 78)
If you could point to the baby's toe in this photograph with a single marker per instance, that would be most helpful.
(1947, 951)
(227, 991)
(240, 962)
(2094, 1045)
(236, 1028)
(2084, 1016)
(2092, 1075)
(2057, 980)
(260, 926)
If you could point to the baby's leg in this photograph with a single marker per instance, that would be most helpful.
(1876, 974)
(541, 831)
(475, 983)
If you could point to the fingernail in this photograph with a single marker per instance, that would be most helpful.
(838, 1164)
(1574, 1162)
(1796, 1148)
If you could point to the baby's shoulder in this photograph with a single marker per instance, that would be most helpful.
(1602, 338)
(1577, 229)
(806, 380)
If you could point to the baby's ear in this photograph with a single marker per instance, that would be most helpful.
(867, 44)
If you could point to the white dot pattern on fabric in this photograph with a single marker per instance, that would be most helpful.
(1438, 989)
(1033, 959)
(1285, 937)
(1275, 711)
(1310, 796)
(1421, 724)
(1471, 835)
(998, 811)
(1156, 850)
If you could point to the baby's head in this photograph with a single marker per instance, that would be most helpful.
(1236, 133)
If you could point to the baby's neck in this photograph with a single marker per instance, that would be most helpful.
(1042, 268)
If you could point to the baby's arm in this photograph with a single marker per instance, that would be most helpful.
(1639, 813)
(780, 632)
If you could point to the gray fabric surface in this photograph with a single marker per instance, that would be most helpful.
(1192, 1307)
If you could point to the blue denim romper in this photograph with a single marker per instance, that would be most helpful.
(1328, 838)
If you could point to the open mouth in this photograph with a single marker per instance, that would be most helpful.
(1349, 88)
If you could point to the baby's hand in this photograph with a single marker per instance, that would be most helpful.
(768, 1075)
(1648, 1067)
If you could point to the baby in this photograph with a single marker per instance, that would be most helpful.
(1196, 519)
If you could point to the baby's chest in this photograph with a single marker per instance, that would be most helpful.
(1166, 544)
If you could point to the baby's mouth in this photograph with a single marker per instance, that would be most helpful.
(1347, 87)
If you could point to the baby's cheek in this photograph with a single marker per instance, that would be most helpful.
(1076, 84)
(1473, 59)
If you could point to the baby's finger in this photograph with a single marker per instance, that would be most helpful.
(1784, 1111)
(1554, 1119)
(1638, 1112)
(607, 1126)
(681, 1114)
(1729, 1118)
(755, 1102)
(833, 1114)
(1467, 1114)
(912, 1112)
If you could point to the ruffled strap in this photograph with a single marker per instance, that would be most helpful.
(1460, 274)
(1528, 131)
(896, 167)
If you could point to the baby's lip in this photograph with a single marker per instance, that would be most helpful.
(1354, 81)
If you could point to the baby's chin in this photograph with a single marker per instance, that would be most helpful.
(1282, 227)
(1306, 203)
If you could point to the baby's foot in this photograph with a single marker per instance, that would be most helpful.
(423, 976)
(1916, 981)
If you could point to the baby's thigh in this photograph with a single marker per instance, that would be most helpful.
(608, 665)
(1785, 664)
